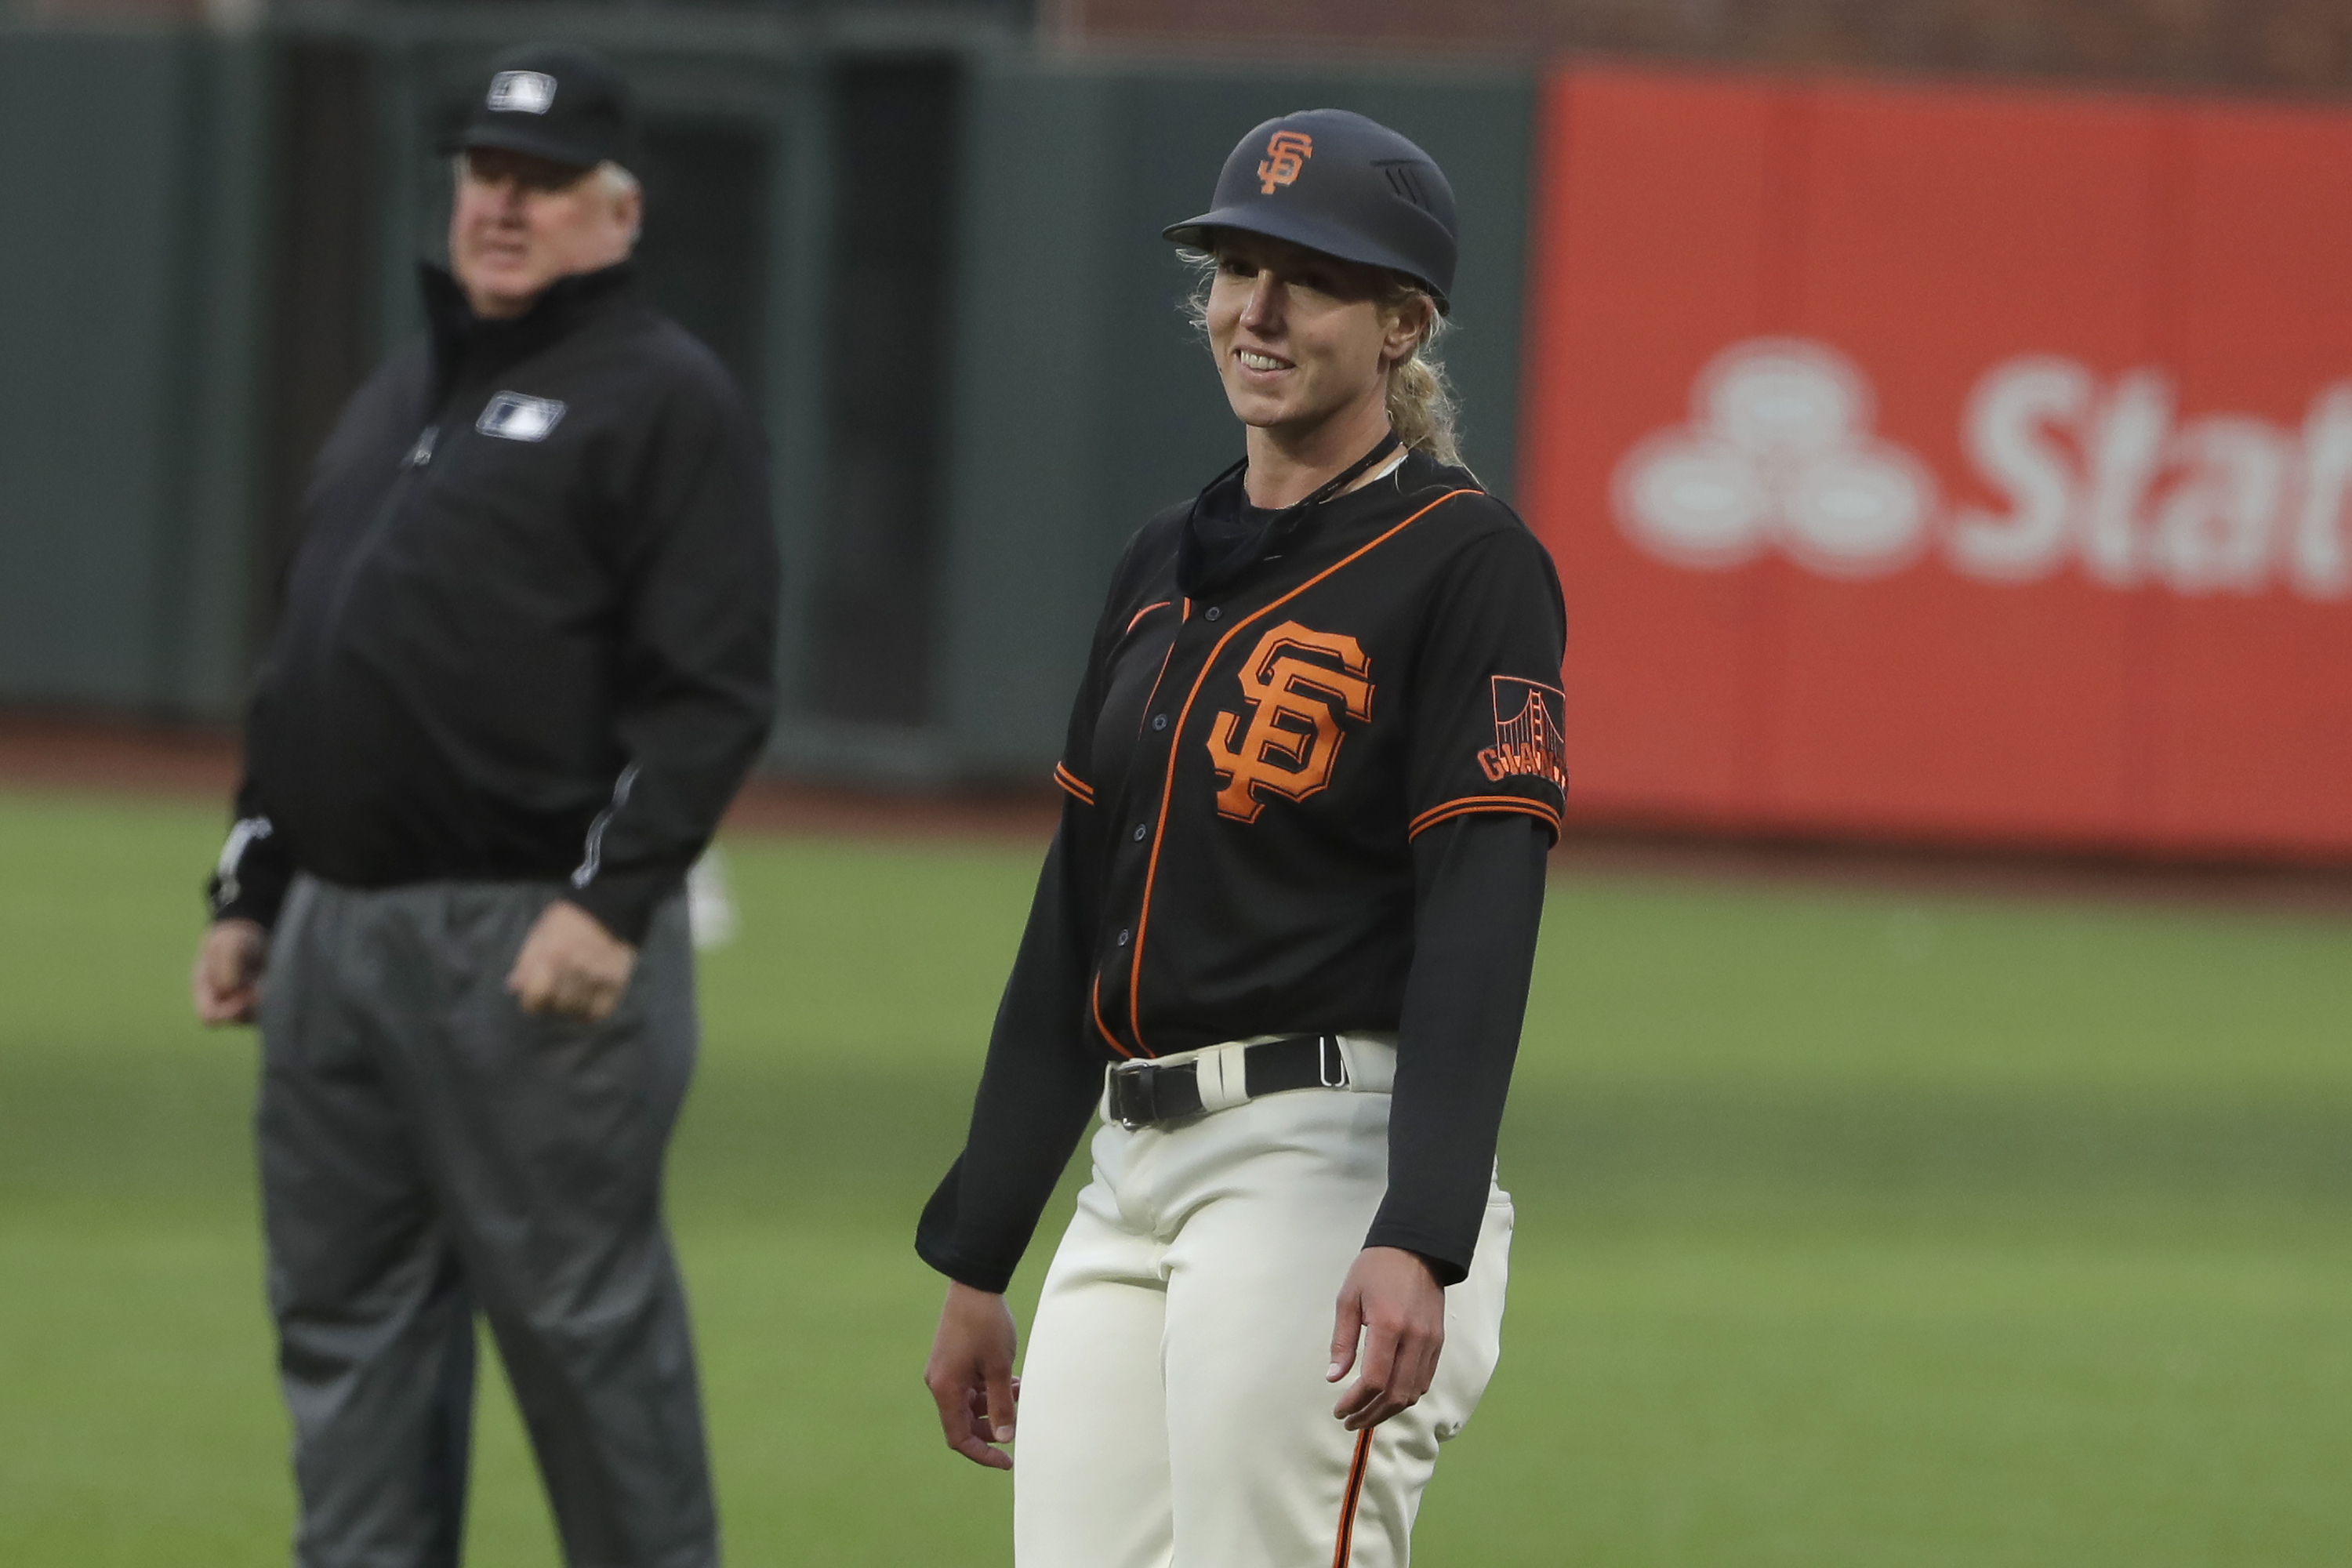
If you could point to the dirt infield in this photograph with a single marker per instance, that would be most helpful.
(43, 752)
(74, 754)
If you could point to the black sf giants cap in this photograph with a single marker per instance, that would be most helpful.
(1342, 184)
(558, 102)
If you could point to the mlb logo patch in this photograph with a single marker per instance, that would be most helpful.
(511, 417)
(523, 92)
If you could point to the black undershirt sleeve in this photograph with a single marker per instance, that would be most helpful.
(1478, 892)
(1043, 1074)
(1037, 1091)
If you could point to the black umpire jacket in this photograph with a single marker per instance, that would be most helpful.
(530, 630)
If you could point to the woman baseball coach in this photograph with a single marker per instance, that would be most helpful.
(1312, 774)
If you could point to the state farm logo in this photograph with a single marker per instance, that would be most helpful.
(1780, 455)
(1779, 451)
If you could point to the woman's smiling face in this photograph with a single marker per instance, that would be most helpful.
(1301, 336)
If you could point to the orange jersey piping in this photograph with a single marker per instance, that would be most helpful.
(1079, 790)
(1093, 999)
(1469, 804)
(1145, 611)
(1168, 782)
(1094, 990)
(1143, 715)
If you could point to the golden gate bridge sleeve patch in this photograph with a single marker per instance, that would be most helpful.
(1531, 733)
(1480, 741)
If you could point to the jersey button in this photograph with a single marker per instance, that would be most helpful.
(1123, 934)
(1139, 831)
(1213, 611)
(1159, 720)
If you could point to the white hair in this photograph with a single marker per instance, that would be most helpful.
(620, 184)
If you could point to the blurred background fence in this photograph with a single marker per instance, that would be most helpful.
(928, 250)
(926, 240)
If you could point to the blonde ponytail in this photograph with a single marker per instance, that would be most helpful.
(1422, 409)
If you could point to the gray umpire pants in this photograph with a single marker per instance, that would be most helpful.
(429, 1150)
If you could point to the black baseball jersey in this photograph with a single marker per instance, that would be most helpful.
(1262, 756)
(1267, 742)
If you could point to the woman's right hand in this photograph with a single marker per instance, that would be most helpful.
(970, 1374)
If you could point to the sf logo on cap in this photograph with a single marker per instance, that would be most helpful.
(1285, 156)
(523, 92)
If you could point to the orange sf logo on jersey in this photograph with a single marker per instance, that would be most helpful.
(1285, 157)
(1298, 684)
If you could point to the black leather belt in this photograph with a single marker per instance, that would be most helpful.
(1144, 1092)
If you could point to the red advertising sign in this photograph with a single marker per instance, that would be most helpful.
(1947, 463)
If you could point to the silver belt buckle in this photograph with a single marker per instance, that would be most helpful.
(1330, 1062)
(1134, 1070)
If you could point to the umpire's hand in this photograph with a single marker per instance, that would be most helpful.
(226, 981)
(570, 966)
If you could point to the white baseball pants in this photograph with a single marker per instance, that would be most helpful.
(1173, 1409)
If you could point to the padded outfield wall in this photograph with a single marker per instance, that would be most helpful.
(1924, 461)
(1949, 463)
(931, 256)
(130, 174)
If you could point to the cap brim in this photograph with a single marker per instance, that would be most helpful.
(1298, 229)
(522, 138)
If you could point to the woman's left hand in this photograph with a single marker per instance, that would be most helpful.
(1398, 1306)
(970, 1375)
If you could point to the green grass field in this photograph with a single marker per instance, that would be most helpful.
(1857, 1230)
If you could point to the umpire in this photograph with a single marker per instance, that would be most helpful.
(524, 662)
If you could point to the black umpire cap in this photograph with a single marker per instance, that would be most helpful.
(564, 102)
(1342, 184)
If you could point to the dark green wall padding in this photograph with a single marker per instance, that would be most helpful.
(129, 170)
(131, 377)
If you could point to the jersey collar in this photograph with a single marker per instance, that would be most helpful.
(1204, 566)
